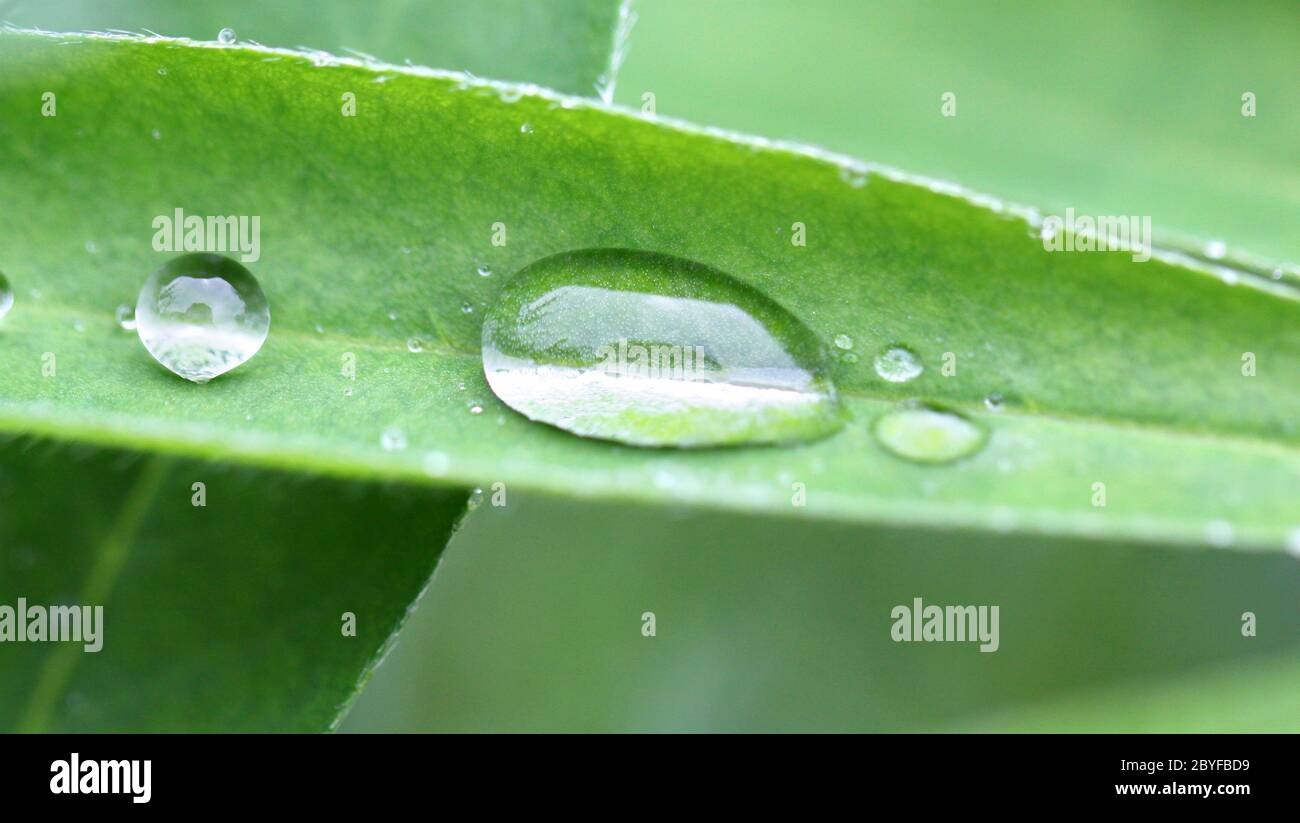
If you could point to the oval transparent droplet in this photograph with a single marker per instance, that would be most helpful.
(652, 350)
(898, 364)
(6, 296)
(202, 315)
(928, 434)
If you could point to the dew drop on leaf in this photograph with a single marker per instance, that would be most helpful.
(392, 439)
(202, 315)
(125, 316)
(898, 364)
(928, 434)
(6, 296)
(652, 350)
(226, 35)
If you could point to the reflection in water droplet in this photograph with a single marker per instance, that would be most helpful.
(898, 364)
(392, 439)
(653, 350)
(928, 434)
(202, 315)
(226, 35)
(125, 316)
(6, 296)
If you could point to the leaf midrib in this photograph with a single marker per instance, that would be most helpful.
(1283, 448)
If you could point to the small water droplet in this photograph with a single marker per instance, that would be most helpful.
(415, 345)
(1219, 533)
(125, 316)
(157, 135)
(928, 434)
(526, 128)
(467, 308)
(202, 315)
(392, 439)
(854, 177)
(392, 315)
(475, 499)
(436, 464)
(484, 271)
(848, 357)
(6, 296)
(647, 349)
(1216, 250)
(1293, 542)
(898, 364)
(347, 392)
(843, 341)
(993, 402)
(475, 409)
(226, 35)
(162, 71)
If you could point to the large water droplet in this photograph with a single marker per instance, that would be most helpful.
(201, 315)
(928, 434)
(226, 35)
(6, 296)
(898, 364)
(654, 350)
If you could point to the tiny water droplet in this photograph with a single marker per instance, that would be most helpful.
(848, 357)
(202, 315)
(898, 364)
(91, 247)
(475, 409)
(415, 345)
(467, 308)
(652, 350)
(347, 392)
(436, 463)
(928, 434)
(392, 439)
(484, 271)
(1219, 533)
(162, 71)
(993, 402)
(226, 35)
(475, 499)
(125, 316)
(843, 341)
(526, 128)
(1216, 250)
(78, 326)
(6, 296)
(157, 135)
(1293, 542)
(392, 315)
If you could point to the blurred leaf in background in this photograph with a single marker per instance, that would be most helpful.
(563, 44)
(1111, 107)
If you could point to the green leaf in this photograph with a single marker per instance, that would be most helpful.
(1140, 115)
(224, 617)
(1112, 371)
(563, 44)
